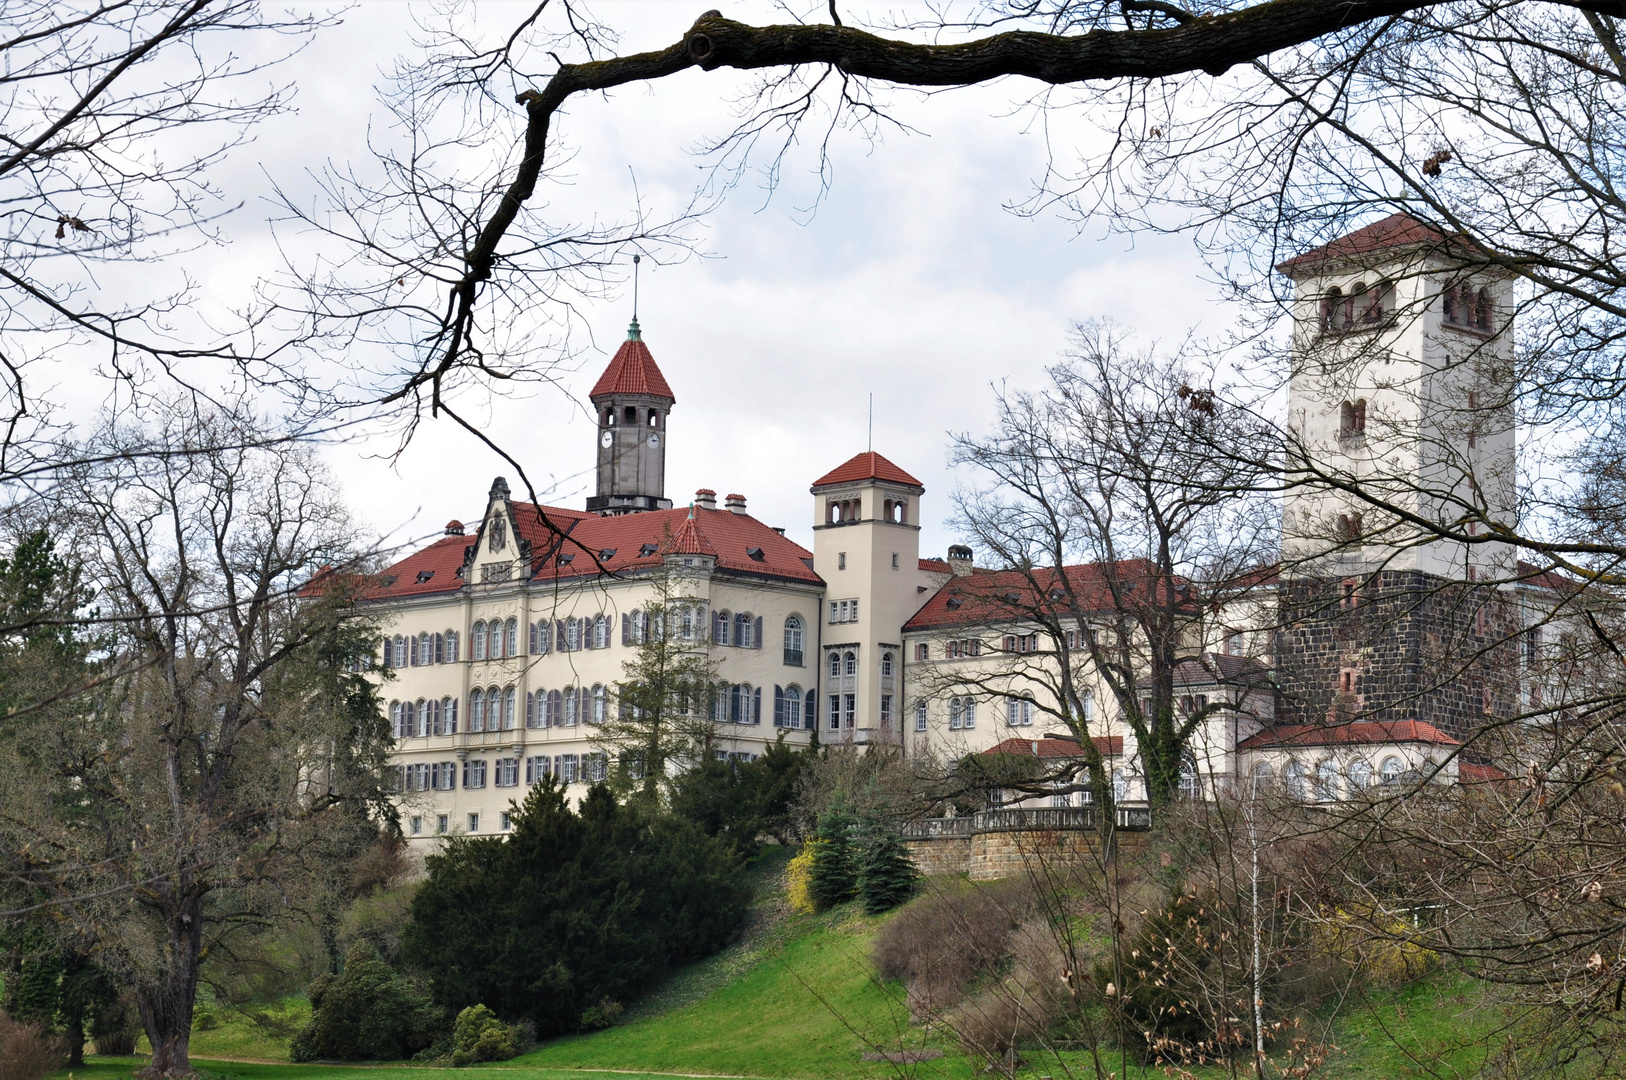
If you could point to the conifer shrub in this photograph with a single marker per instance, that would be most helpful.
(480, 1036)
(368, 1012)
(571, 908)
(799, 879)
(834, 873)
(886, 876)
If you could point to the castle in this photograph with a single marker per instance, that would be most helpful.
(508, 637)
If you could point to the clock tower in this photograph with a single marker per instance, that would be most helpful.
(632, 401)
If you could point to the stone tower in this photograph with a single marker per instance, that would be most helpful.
(1401, 387)
(633, 401)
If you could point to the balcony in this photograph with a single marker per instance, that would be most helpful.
(793, 658)
(1034, 819)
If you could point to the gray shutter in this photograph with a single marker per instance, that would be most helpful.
(387, 657)
(559, 635)
(756, 706)
(440, 648)
(778, 706)
(756, 640)
(530, 710)
(531, 647)
(626, 629)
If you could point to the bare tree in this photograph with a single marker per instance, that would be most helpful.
(233, 736)
(1115, 528)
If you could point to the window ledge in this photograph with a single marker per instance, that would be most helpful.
(1470, 331)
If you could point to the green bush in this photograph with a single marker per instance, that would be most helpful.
(834, 873)
(571, 909)
(480, 1036)
(741, 801)
(887, 876)
(369, 1012)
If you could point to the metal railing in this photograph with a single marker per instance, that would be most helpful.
(793, 658)
(1033, 819)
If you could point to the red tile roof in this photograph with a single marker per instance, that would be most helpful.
(936, 566)
(1001, 596)
(617, 544)
(1471, 772)
(1216, 669)
(1396, 230)
(1052, 746)
(632, 371)
(867, 466)
(1358, 732)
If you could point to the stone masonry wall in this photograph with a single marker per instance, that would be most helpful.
(1416, 647)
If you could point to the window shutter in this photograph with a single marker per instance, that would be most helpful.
(530, 710)
(531, 645)
(559, 635)
(412, 651)
(626, 629)
(756, 706)
(466, 764)
(387, 656)
(778, 706)
(756, 634)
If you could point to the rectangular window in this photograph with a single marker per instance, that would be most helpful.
(886, 712)
(442, 823)
(474, 823)
(894, 560)
(923, 651)
(920, 716)
(474, 773)
(567, 768)
(417, 826)
(507, 823)
(835, 712)
(849, 709)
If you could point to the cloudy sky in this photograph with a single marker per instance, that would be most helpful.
(910, 281)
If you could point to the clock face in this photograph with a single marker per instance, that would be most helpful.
(607, 438)
(654, 439)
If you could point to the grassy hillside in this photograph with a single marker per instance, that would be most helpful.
(796, 999)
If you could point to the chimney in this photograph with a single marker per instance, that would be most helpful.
(706, 499)
(454, 528)
(959, 560)
(735, 503)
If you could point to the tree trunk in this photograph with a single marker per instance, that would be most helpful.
(76, 1039)
(166, 1005)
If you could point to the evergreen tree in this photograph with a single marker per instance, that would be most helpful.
(835, 860)
(660, 722)
(572, 910)
(887, 875)
(740, 801)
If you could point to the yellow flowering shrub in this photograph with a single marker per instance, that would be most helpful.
(1382, 946)
(799, 880)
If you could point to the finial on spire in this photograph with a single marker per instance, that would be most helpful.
(633, 333)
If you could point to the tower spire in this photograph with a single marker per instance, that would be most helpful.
(633, 333)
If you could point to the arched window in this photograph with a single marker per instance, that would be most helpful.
(850, 664)
(1327, 781)
(1360, 417)
(601, 632)
(573, 635)
(1293, 777)
(1018, 711)
(400, 651)
(956, 718)
(742, 629)
(1191, 785)
(793, 640)
(426, 648)
(509, 700)
(496, 646)
(572, 716)
(395, 719)
(1261, 778)
(1391, 770)
(1379, 299)
(886, 665)
(1331, 309)
(719, 627)
(601, 705)
(835, 665)
(1482, 310)
(793, 706)
(451, 646)
(512, 638)
(1451, 305)
(1360, 775)
(477, 710)
(478, 634)
(734, 705)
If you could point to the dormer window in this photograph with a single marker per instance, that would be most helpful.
(754, 553)
(425, 575)
(606, 554)
(647, 550)
(566, 560)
